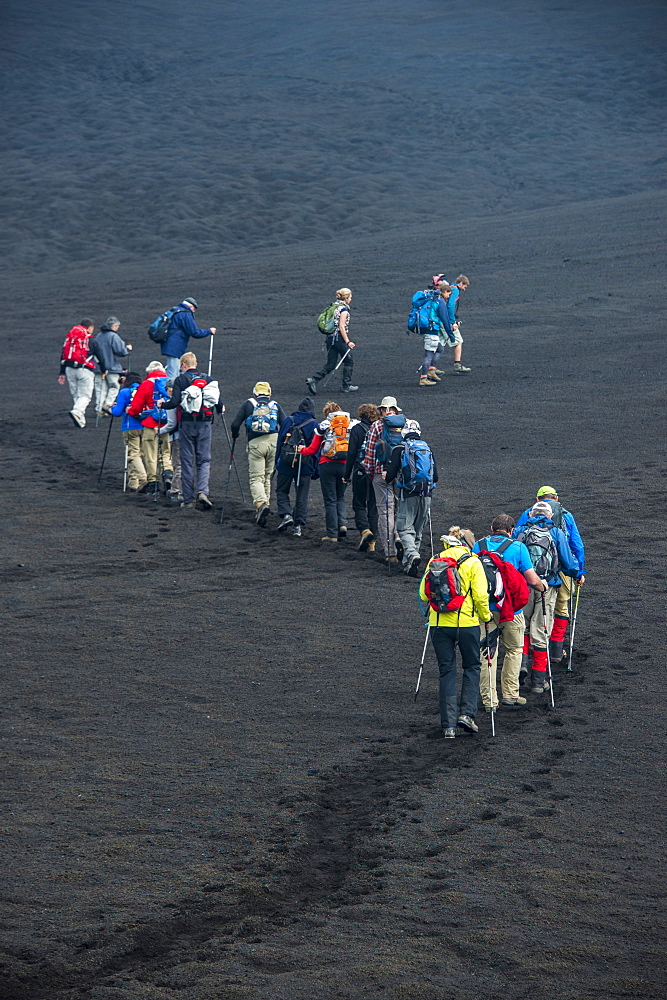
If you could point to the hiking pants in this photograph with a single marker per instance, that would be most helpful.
(385, 498)
(149, 447)
(333, 494)
(445, 639)
(261, 459)
(562, 608)
(195, 445)
(410, 523)
(176, 483)
(539, 639)
(136, 473)
(433, 351)
(283, 485)
(106, 389)
(80, 382)
(363, 502)
(512, 636)
(172, 366)
(336, 348)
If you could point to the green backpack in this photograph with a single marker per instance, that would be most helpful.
(325, 321)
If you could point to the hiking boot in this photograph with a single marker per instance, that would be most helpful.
(151, 489)
(367, 537)
(371, 546)
(312, 386)
(190, 505)
(174, 497)
(413, 566)
(77, 420)
(539, 681)
(468, 723)
(350, 388)
(437, 371)
(342, 532)
(517, 703)
(286, 521)
(297, 531)
(391, 561)
(328, 538)
(262, 514)
(400, 550)
(167, 478)
(555, 651)
(449, 733)
(490, 708)
(425, 380)
(432, 374)
(204, 501)
(460, 369)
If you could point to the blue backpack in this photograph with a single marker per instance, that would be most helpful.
(264, 416)
(423, 316)
(158, 331)
(416, 468)
(159, 393)
(390, 438)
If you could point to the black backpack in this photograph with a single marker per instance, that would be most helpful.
(289, 451)
(494, 581)
(158, 331)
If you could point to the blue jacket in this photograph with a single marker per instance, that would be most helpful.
(453, 304)
(571, 533)
(443, 316)
(309, 464)
(182, 327)
(567, 561)
(122, 400)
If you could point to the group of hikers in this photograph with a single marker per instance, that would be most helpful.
(515, 586)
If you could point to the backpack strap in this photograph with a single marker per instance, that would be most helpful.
(503, 547)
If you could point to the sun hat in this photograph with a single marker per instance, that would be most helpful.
(261, 389)
(389, 401)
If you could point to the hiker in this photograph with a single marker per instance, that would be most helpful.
(363, 494)
(131, 430)
(262, 417)
(562, 518)
(550, 555)
(468, 600)
(508, 623)
(195, 395)
(181, 328)
(77, 366)
(293, 468)
(107, 347)
(154, 446)
(456, 342)
(412, 467)
(337, 344)
(383, 435)
(172, 430)
(332, 440)
(430, 318)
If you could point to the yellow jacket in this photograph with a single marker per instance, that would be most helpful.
(475, 608)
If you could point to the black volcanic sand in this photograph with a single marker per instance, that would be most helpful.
(216, 783)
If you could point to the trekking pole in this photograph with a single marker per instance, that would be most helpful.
(104, 456)
(210, 356)
(231, 445)
(298, 474)
(421, 665)
(546, 632)
(331, 374)
(492, 688)
(572, 630)
(125, 470)
(229, 476)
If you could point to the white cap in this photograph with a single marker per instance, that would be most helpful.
(411, 427)
(390, 401)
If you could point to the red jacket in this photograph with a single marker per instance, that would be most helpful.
(143, 399)
(516, 589)
(75, 352)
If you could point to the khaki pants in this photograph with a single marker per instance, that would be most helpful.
(562, 609)
(512, 636)
(149, 446)
(261, 459)
(539, 639)
(136, 473)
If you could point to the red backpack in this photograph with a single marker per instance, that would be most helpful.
(443, 583)
(515, 591)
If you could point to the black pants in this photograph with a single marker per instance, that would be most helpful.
(336, 348)
(283, 485)
(445, 639)
(363, 501)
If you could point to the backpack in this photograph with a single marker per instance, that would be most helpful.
(390, 438)
(443, 583)
(494, 580)
(337, 438)
(423, 316)
(542, 549)
(264, 417)
(416, 468)
(200, 396)
(556, 513)
(79, 349)
(289, 450)
(326, 322)
(159, 393)
(158, 331)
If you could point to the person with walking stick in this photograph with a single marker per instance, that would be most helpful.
(334, 322)
(131, 429)
(182, 326)
(383, 436)
(293, 468)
